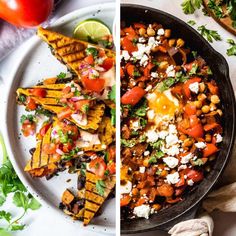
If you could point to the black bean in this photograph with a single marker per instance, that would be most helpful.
(32, 150)
(80, 182)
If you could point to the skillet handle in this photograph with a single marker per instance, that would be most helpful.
(186, 216)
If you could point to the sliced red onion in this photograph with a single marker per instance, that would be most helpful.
(59, 151)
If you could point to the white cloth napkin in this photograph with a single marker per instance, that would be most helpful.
(223, 199)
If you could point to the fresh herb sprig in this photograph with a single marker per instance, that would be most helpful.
(232, 50)
(208, 34)
(10, 183)
(189, 6)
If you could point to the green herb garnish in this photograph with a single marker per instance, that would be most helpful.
(208, 34)
(113, 116)
(232, 50)
(112, 93)
(100, 186)
(62, 75)
(189, 6)
(91, 51)
(31, 118)
(191, 22)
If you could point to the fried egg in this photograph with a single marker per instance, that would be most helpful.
(162, 106)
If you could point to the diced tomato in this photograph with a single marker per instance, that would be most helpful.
(80, 105)
(165, 190)
(140, 202)
(131, 34)
(209, 150)
(38, 92)
(186, 90)
(128, 45)
(89, 59)
(213, 88)
(133, 96)
(177, 89)
(190, 109)
(194, 120)
(49, 148)
(66, 90)
(28, 128)
(147, 69)
(125, 200)
(95, 85)
(65, 113)
(189, 66)
(72, 130)
(139, 25)
(111, 167)
(108, 63)
(67, 147)
(44, 129)
(196, 131)
(98, 166)
(181, 181)
(30, 104)
(130, 70)
(101, 53)
(209, 127)
(194, 175)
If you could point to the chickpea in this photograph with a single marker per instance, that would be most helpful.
(202, 87)
(215, 99)
(180, 43)
(219, 112)
(142, 31)
(167, 33)
(198, 104)
(156, 207)
(146, 162)
(212, 107)
(208, 138)
(188, 142)
(201, 97)
(151, 32)
(205, 109)
(163, 65)
(171, 42)
(135, 191)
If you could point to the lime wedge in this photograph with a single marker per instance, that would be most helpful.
(91, 30)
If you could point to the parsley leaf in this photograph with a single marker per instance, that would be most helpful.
(191, 22)
(100, 187)
(113, 116)
(5, 216)
(189, 6)
(232, 50)
(208, 34)
(127, 143)
(62, 75)
(217, 10)
(193, 71)
(30, 118)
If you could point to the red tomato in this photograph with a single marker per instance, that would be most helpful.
(194, 120)
(44, 129)
(65, 113)
(112, 153)
(128, 45)
(89, 59)
(209, 150)
(30, 104)
(72, 131)
(38, 92)
(95, 85)
(186, 89)
(49, 148)
(214, 125)
(67, 147)
(194, 175)
(189, 66)
(24, 12)
(133, 96)
(213, 88)
(177, 89)
(98, 166)
(124, 200)
(196, 131)
(190, 109)
(111, 167)
(28, 128)
(147, 69)
(130, 70)
(108, 63)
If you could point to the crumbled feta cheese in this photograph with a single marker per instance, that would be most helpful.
(170, 71)
(154, 74)
(171, 139)
(72, 89)
(219, 138)
(104, 146)
(142, 40)
(142, 211)
(200, 145)
(185, 176)
(166, 168)
(163, 134)
(173, 178)
(125, 55)
(185, 159)
(172, 162)
(161, 31)
(149, 87)
(182, 167)
(152, 136)
(194, 87)
(126, 188)
(190, 182)
(173, 150)
(172, 129)
(142, 50)
(151, 114)
(144, 60)
(142, 169)
(146, 153)
(135, 125)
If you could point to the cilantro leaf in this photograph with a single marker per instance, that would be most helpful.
(100, 187)
(21, 200)
(62, 75)
(5, 216)
(127, 143)
(232, 50)
(191, 22)
(112, 93)
(34, 204)
(217, 10)
(29, 117)
(16, 227)
(208, 34)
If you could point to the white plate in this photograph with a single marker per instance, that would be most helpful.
(37, 63)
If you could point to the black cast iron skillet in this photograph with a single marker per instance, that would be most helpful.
(187, 208)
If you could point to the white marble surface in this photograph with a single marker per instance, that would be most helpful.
(225, 223)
